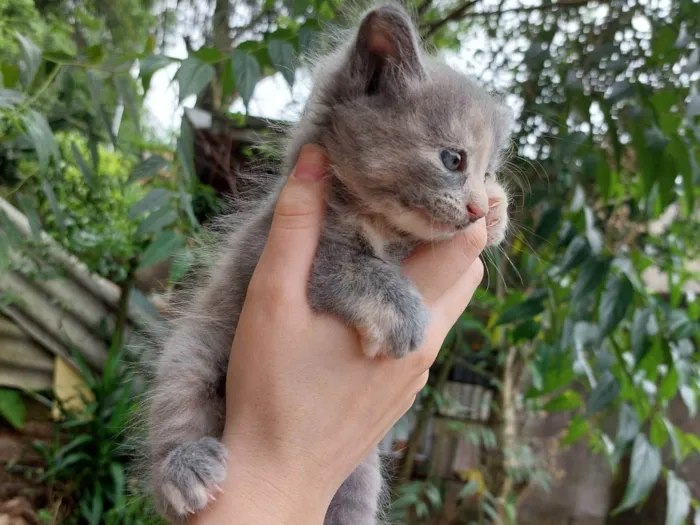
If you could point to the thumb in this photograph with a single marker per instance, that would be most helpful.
(296, 223)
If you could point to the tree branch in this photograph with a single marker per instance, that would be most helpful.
(530, 9)
(462, 12)
(457, 14)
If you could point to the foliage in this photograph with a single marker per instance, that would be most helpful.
(608, 141)
(12, 408)
(86, 465)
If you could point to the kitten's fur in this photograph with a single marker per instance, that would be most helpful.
(383, 111)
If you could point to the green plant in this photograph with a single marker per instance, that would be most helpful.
(12, 408)
(86, 464)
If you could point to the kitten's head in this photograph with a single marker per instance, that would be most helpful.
(413, 141)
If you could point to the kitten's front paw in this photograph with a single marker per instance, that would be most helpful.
(395, 329)
(497, 216)
(191, 474)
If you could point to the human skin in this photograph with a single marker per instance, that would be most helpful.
(304, 405)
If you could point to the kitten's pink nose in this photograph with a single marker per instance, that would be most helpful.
(475, 212)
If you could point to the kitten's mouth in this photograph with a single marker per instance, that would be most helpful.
(441, 227)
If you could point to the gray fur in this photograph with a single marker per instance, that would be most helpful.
(382, 110)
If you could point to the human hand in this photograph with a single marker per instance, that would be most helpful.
(304, 405)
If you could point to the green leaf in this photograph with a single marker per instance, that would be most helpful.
(628, 425)
(13, 234)
(577, 252)
(156, 221)
(526, 331)
(434, 496)
(181, 263)
(603, 177)
(308, 40)
(681, 156)
(4, 257)
(78, 441)
(10, 98)
(675, 440)
(153, 200)
(246, 73)
(658, 432)
(283, 59)
(644, 470)
(620, 91)
(82, 165)
(680, 325)
(640, 344)
(678, 500)
(27, 205)
(53, 204)
(669, 385)
(527, 309)
(614, 303)
(568, 400)
(186, 201)
(12, 408)
(578, 428)
(93, 146)
(148, 66)
(9, 75)
(119, 478)
(31, 60)
(468, 490)
(593, 272)
(690, 399)
(192, 76)
(126, 92)
(604, 393)
(95, 54)
(185, 151)
(148, 168)
(167, 243)
(209, 55)
(42, 138)
(153, 63)
(549, 222)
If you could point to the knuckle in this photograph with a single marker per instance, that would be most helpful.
(476, 239)
(294, 211)
(422, 381)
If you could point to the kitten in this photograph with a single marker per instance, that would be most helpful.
(413, 150)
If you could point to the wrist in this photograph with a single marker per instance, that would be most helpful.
(263, 488)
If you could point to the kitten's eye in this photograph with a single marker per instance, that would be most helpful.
(453, 160)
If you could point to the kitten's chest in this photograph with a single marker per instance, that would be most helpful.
(384, 243)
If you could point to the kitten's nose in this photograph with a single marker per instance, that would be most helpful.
(475, 212)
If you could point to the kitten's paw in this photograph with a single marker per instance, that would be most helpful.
(191, 475)
(497, 216)
(395, 330)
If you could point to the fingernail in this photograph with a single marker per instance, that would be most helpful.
(311, 165)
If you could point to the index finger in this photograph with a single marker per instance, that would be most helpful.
(436, 268)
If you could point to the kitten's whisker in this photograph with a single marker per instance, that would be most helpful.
(520, 277)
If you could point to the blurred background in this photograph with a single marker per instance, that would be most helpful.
(566, 394)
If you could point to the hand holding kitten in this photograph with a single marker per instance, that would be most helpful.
(304, 405)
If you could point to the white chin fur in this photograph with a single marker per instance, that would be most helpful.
(415, 223)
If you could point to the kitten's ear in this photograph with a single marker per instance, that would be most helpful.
(386, 52)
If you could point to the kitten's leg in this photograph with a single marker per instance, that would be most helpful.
(370, 295)
(358, 499)
(188, 463)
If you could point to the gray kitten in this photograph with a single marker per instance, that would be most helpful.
(413, 149)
